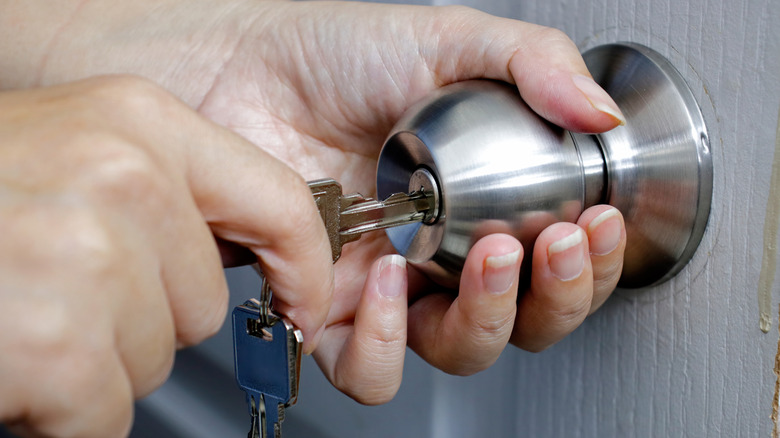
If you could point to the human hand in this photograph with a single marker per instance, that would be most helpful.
(110, 190)
(319, 85)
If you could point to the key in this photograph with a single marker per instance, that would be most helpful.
(267, 347)
(267, 351)
(347, 217)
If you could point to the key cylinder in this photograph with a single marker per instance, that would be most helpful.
(495, 166)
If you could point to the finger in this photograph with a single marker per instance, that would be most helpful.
(607, 241)
(113, 293)
(82, 416)
(252, 199)
(179, 253)
(246, 197)
(466, 334)
(544, 63)
(148, 186)
(554, 81)
(192, 273)
(147, 349)
(81, 390)
(561, 288)
(366, 361)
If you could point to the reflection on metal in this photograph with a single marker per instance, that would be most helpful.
(500, 168)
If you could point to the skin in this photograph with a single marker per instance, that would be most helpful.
(120, 183)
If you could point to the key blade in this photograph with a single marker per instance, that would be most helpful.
(396, 210)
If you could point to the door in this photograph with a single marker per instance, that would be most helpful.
(686, 358)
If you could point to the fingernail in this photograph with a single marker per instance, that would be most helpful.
(499, 272)
(604, 232)
(598, 98)
(566, 257)
(392, 273)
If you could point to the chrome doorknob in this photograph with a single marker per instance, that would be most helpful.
(496, 166)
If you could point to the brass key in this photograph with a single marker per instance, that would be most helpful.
(347, 217)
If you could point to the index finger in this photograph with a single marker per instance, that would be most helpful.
(250, 198)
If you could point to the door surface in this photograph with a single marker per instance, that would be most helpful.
(687, 358)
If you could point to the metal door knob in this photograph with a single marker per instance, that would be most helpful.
(496, 166)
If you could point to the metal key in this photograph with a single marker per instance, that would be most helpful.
(347, 217)
(267, 351)
(267, 348)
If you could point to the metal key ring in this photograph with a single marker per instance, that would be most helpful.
(265, 302)
(266, 294)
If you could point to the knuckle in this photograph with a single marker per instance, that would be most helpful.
(126, 173)
(215, 318)
(87, 239)
(461, 11)
(485, 338)
(128, 94)
(99, 378)
(489, 328)
(570, 315)
(386, 339)
(78, 379)
(158, 372)
(454, 18)
(71, 351)
(108, 162)
(476, 350)
(555, 44)
(150, 361)
(606, 280)
(49, 233)
(553, 35)
(53, 330)
(203, 322)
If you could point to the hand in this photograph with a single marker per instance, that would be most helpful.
(110, 190)
(319, 85)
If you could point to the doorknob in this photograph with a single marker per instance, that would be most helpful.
(495, 166)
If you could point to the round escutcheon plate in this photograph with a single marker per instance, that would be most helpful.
(659, 165)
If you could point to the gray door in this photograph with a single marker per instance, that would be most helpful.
(686, 358)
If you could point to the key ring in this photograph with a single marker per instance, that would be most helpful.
(266, 317)
(265, 302)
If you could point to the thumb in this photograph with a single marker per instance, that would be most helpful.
(554, 81)
(544, 63)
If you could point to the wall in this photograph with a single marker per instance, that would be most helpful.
(688, 357)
